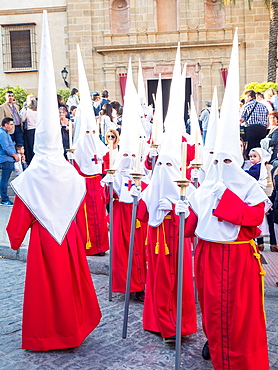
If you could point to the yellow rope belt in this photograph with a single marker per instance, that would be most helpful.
(258, 258)
(168, 217)
(90, 177)
(164, 238)
(88, 243)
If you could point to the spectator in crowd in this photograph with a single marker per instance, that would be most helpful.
(21, 165)
(64, 123)
(119, 112)
(274, 100)
(61, 103)
(204, 118)
(273, 136)
(254, 115)
(96, 102)
(107, 120)
(260, 98)
(104, 98)
(29, 117)
(72, 113)
(268, 94)
(73, 98)
(10, 109)
(7, 158)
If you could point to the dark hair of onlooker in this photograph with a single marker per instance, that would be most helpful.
(33, 104)
(9, 92)
(250, 93)
(107, 110)
(63, 108)
(104, 94)
(6, 120)
(72, 108)
(117, 106)
(73, 91)
(18, 146)
(244, 154)
(60, 100)
(258, 94)
(273, 113)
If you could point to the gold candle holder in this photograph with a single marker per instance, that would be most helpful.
(183, 183)
(110, 171)
(137, 177)
(70, 150)
(196, 165)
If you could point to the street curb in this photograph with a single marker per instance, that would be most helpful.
(97, 265)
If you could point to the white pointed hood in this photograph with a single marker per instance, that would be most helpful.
(141, 89)
(50, 187)
(89, 149)
(213, 124)
(157, 132)
(129, 145)
(195, 132)
(227, 147)
(168, 166)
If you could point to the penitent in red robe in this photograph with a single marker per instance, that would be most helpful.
(122, 214)
(160, 306)
(91, 217)
(230, 290)
(60, 306)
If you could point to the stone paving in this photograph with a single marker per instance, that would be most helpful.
(104, 348)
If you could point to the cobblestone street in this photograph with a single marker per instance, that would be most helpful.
(104, 348)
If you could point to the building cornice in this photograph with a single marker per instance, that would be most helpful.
(50, 9)
(158, 46)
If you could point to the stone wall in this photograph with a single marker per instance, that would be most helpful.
(203, 28)
(15, 13)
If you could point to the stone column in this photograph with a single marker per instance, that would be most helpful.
(80, 32)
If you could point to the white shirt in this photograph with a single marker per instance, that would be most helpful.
(30, 116)
(106, 124)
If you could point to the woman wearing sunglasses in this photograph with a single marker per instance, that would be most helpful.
(111, 135)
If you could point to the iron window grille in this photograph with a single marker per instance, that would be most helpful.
(19, 47)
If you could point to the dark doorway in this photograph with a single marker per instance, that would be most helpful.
(166, 84)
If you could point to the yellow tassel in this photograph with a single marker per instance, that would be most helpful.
(166, 249)
(137, 224)
(156, 248)
(88, 245)
(257, 255)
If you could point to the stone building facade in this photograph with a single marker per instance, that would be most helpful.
(110, 31)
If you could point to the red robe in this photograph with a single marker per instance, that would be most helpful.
(122, 214)
(230, 290)
(160, 306)
(91, 217)
(60, 306)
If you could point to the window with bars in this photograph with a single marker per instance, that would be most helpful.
(19, 47)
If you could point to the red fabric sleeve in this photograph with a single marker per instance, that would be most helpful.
(190, 224)
(105, 192)
(20, 221)
(142, 211)
(105, 163)
(148, 162)
(232, 209)
(190, 154)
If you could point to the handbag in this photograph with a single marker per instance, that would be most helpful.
(265, 145)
